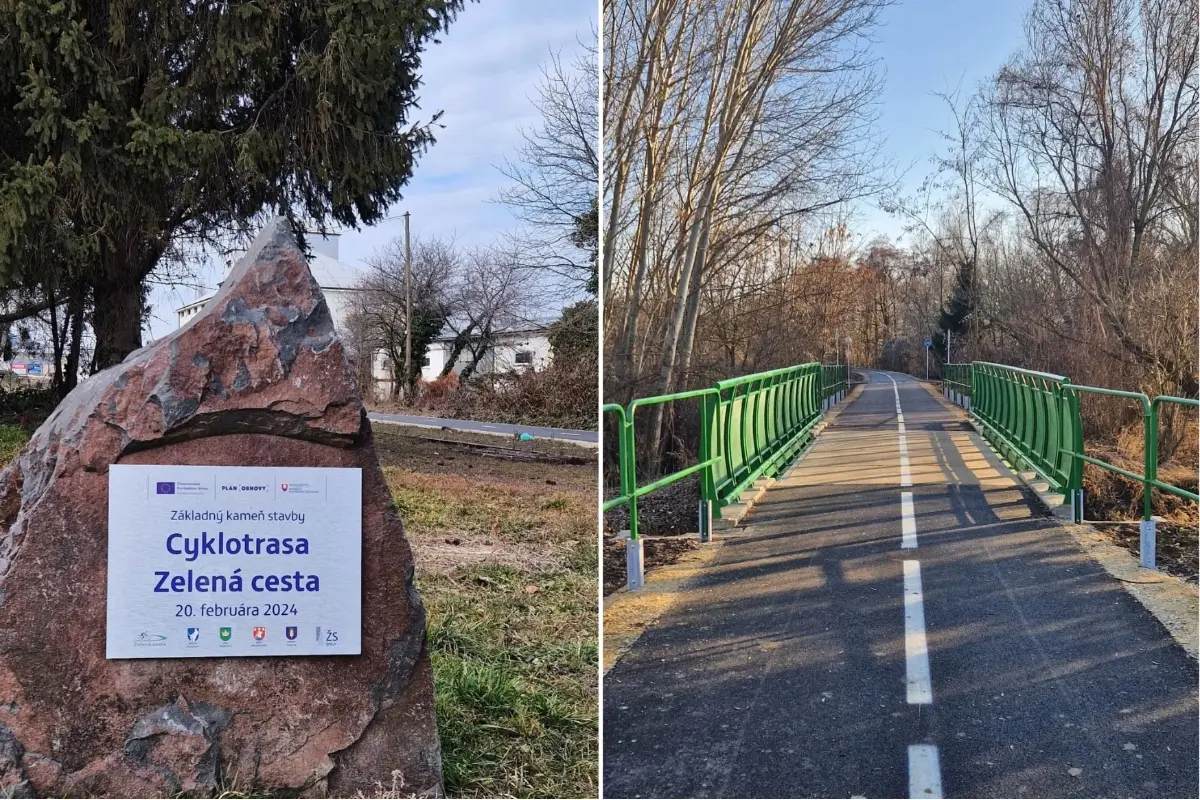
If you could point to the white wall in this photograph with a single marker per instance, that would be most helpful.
(503, 357)
(338, 301)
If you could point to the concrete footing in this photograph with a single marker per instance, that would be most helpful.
(635, 564)
(1149, 539)
(705, 523)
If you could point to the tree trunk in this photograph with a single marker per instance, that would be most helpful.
(56, 344)
(75, 309)
(116, 318)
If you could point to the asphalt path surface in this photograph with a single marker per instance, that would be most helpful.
(819, 656)
(498, 428)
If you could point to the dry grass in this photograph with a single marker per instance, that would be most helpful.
(506, 565)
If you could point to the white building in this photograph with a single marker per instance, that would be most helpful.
(518, 348)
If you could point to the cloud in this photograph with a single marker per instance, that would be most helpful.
(482, 75)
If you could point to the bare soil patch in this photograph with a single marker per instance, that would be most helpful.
(1114, 498)
(657, 553)
(670, 511)
(1175, 550)
(662, 516)
(480, 456)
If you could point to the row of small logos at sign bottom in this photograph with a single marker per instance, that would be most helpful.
(258, 632)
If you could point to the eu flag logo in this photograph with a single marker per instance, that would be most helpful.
(165, 487)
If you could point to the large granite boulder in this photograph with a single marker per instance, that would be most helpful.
(258, 378)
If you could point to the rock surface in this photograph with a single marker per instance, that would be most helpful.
(257, 378)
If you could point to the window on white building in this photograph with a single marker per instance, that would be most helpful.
(524, 356)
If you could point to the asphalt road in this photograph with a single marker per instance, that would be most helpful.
(564, 434)
(818, 657)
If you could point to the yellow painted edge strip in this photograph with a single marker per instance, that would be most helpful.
(627, 614)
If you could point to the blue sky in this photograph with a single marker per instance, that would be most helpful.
(487, 67)
(929, 46)
(482, 76)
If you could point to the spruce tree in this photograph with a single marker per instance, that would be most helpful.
(132, 127)
(955, 313)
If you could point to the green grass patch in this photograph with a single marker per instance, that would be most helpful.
(514, 657)
(12, 439)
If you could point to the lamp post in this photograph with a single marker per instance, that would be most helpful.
(407, 311)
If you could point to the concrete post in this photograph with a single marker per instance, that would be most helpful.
(635, 565)
(1149, 539)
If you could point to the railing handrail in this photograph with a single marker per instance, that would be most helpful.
(1057, 429)
(1022, 370)
(792, 402)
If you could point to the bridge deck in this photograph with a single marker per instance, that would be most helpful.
(796, 666)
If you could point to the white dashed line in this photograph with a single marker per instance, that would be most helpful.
(908, 522)
(924, 767)
(924, 771)
(916, 653)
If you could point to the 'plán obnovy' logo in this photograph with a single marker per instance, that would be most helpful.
(164, 487)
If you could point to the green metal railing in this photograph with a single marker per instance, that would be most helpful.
(760, 422)
(627, 453)
(1033, 419)
(1149, 477)
(957, 378)
(750, 427)
(834, 378)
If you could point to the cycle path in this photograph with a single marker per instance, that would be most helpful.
(855, 641)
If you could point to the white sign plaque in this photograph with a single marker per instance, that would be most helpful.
(234, 561)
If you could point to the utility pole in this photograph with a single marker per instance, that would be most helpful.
(407, 310)
(948, 334)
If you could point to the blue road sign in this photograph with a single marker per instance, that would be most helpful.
(928, 343)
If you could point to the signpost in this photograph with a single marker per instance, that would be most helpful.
(233, 561)
(928, 344)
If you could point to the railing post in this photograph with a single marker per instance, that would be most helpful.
(635, 561)
(704, 524)
(1147, 533)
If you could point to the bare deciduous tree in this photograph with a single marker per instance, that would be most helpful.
(734, 131)
(1092, 139)
(555, 175)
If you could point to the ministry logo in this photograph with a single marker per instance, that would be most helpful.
(283, 486)
(165, 487)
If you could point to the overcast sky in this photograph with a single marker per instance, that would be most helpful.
(482, 76)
